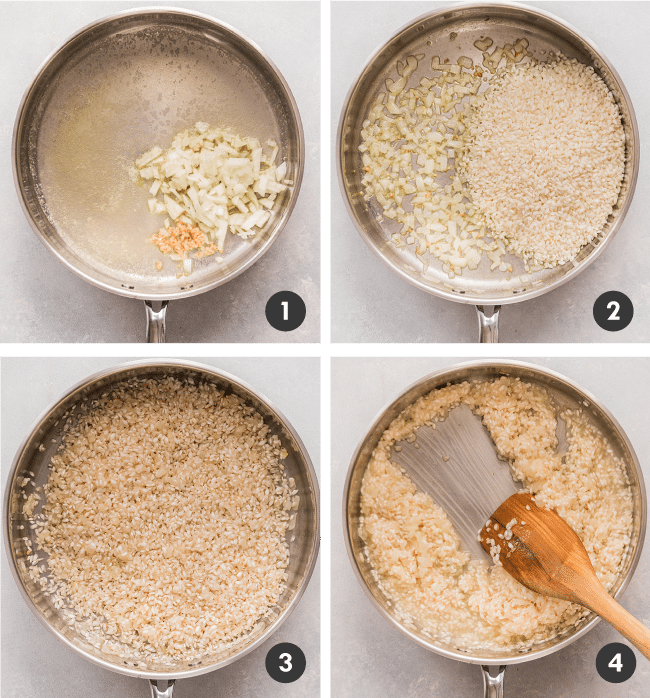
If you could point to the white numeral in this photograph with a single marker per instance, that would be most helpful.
(287, 657)
(613, 316)
(285, 304)
(616, 662)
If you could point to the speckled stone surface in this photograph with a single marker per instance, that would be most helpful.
(42, 301)
(34, 662)
(371, 303)
(369, 656)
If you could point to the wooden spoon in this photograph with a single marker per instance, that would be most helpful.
(542, 552)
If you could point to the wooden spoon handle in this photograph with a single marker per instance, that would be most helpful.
(626, 624)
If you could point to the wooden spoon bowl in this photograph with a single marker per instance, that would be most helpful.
(542, 552)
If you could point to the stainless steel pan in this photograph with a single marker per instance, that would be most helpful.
(115, 89)
(303, 540)
(431, 35)
(564, 393)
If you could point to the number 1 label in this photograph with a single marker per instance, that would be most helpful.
(285, 311)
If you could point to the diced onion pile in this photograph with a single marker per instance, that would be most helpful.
(214, 180)
(412, 140)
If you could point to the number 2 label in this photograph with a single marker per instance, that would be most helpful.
(613, 316)
(613, 311)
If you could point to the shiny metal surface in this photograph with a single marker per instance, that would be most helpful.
(456, 463)
(158, 692)
(303, 546)
(432, 34)
(564, 393)
(116, 88)
(493, 684)
(156, 321)
(488, 324)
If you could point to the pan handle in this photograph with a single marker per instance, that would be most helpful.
(488, 323)
(158, 692)
(156, 323)
(493, 685)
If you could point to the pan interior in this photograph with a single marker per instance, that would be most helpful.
(302, 540)
(563, 394)
(449, 35)
(115, 91)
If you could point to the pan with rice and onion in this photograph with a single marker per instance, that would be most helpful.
(405, 509)
(161, 520)
(487, 154)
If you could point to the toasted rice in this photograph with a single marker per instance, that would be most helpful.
(164, 520)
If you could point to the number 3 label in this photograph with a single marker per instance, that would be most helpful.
(285, 662)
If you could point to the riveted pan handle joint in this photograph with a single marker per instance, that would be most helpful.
(156, 323)
(493, 685)
(158, 692)
(488, 322)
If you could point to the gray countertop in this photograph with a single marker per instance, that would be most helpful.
(369, 656)
(34, 663)
(42, 301)
(371, 303)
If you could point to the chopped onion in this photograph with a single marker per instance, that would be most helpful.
(214, 180)
(412, 140)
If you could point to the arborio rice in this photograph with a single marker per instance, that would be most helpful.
(416, 554)
(545, 159)
(530, 166)
(164, 520)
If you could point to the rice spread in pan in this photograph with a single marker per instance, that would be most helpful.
(163, 527)
(416, 555)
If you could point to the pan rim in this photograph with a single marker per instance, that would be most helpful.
(475, 298)
(123, 289)
(439, 376)
(115, 371)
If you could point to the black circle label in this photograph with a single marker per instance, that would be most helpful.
(616, 662)
(613, 311)
(285, 311)
(285, 662)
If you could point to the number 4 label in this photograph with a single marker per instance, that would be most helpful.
(616, 663)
